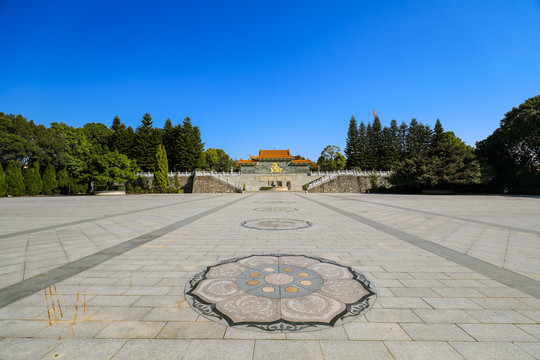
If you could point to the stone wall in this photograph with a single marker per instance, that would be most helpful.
(351, 184)
(184, 182)
(212, 185)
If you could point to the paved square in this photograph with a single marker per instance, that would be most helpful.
(104, 277)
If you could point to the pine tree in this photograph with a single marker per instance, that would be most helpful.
(377, 143)
(3, 184)
(49, 180)
(362, 146)
(437, 133)
(402, 136)
(189, 145)
(14, 180)
(145, 144)
(161, 169)
(169, 142)
(32, 180)
(370, 149)
(352, 147)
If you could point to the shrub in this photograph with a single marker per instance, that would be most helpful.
(14, 180)
(49, 180)
(3, 184)
(32, 180)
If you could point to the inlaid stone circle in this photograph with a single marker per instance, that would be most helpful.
(280, 292)
(276, 224)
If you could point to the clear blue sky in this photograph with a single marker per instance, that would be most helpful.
(283, 74)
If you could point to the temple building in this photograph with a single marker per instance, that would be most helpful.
(275, 162)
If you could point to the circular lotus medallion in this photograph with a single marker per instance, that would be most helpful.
(276, 224)
(280, 292)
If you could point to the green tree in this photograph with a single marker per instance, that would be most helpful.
(49, 180)
(169, 141)
(445, 166)
(513, 150)
(352, 146)
(121, 138)
(161, 169)
(190, 146)
(362, 146)
(438, 131)
(64, 181)
(14, 180)
(145, 144)
(331, 159)
(217, 160)
(3, 184)
(32, 180)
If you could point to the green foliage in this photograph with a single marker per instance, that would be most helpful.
(32, 180)
(3, 184)
(49, 180)
(443, 167)
(161, 170)
(353, 145)
(513, 150)
(331, 159)
(64, 181)
(189, 146)
(14, 180)
(216, 160)
(147, 138)
(121, 138)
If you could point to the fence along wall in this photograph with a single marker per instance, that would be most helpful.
(338, 181)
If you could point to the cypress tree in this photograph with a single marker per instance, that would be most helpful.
(32, 180)
(64, 182)
(161, 169)
(14, 180)
(3, 184)
(352, 147)
(49, 180)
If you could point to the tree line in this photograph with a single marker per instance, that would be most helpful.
(35, 159)
(424, 158)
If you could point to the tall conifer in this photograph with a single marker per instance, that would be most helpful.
(145, 144)
(32, 180)
(161, 169)
(49, 180)
(14, 180)
(352, 147)
(3, 184)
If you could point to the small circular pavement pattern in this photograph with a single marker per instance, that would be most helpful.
(280, 292)
(276, 224)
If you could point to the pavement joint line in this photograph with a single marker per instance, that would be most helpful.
(507, 277)
(514, 228)
(20, 290)
(103, 217)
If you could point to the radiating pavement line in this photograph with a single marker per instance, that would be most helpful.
(20, 290)
(50, 227)
(509, 227)
(507, 277)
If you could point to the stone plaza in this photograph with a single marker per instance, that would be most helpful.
(270, 275)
